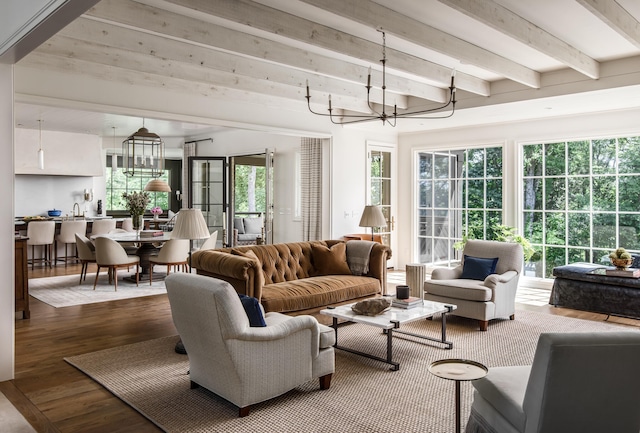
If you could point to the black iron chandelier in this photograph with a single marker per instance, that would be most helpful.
(389, 118)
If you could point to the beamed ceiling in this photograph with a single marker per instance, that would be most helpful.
(513, 58)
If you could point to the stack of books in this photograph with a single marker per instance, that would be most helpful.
(628, 273)
(150, 233)
(410, 302)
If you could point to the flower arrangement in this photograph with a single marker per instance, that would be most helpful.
(157, 210)
(136, 202)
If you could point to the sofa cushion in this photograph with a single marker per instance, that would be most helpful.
(316, 292)
(478, 268)
(252, 308)
(238, 224)
(330, 261)
(471, 290)
(253, 225)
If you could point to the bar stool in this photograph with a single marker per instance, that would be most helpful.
(41, 233)
(67, 235)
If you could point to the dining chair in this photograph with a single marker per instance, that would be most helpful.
(41, 233)
(110, 254)
(174, 253)
(68, 230)
(130, 247)
(86, 254)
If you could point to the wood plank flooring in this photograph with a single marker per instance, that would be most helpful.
(55, 397)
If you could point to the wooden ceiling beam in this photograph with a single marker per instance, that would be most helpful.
(64, 47)
(159, 22)
(267, 19)
(616, 17)
(503, 20)
(144, 44)
(368, 13)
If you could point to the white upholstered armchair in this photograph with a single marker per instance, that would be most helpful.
(478, 294)
(243, 364)
(578, 382)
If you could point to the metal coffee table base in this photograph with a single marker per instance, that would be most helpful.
(395, 366)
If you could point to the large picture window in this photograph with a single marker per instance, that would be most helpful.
(580, 200)
(458, 192)
(118, 183)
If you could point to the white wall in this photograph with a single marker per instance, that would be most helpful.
(65, 153)
(617, 123)
(35, 195)
(7, 278)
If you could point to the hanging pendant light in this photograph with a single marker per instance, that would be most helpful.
(114, 156)
(40, 151)
(143, 154)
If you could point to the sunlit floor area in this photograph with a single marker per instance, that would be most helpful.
(525, 295)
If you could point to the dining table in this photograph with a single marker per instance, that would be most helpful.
(147, 247)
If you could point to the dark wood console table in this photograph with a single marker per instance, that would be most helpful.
(22, 277)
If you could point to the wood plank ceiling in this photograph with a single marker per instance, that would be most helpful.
(502, 50)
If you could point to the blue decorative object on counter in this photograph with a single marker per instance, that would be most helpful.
(54, 213)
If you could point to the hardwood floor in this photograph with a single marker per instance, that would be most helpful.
(55, 397)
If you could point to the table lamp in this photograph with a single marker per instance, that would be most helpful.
(190, 224)
(372, 217)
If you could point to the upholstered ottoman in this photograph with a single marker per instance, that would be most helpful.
(577, 286)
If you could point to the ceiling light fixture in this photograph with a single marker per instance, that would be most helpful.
(40, 151)
(143, 154)
(389, 118)
(114, 156)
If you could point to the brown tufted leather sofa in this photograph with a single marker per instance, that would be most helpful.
(291, 283)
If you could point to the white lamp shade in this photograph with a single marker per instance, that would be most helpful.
(190, 224)
(372, 217)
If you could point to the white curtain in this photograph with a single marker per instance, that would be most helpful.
(189, 150)
(311, 176)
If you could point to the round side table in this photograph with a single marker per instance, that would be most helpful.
(458, 370)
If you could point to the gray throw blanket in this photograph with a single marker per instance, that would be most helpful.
(358, 253)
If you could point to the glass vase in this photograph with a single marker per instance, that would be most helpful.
(138, 222)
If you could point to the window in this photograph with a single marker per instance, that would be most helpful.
(459, 192)
(118, 183)
(580, 200)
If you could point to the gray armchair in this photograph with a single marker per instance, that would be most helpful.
(578, 382)
(481, 299)
(243, 364)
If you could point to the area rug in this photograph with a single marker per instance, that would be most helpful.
(365, 396)
(64, 291)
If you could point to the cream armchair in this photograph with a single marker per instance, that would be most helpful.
(243, 364)
(482, 299)
(578, 382)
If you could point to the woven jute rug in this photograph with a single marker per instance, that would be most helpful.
(66, 290)
(365, 396)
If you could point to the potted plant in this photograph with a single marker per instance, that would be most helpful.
(504, 233)
(621, 258)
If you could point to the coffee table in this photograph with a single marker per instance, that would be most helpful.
(390, 322)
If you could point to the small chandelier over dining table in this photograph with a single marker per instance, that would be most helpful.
(389, 118)
(143, 154)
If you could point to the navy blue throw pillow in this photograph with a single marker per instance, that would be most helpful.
(477, 268)
(252, 308)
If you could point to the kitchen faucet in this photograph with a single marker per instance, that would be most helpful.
(74, 211)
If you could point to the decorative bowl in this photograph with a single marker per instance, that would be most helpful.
(621, 263)
(54, 213)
